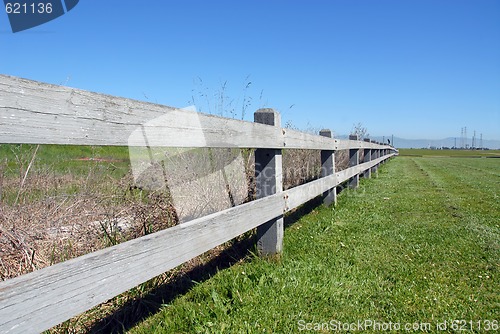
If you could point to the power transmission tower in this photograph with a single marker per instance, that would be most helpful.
(462, 138)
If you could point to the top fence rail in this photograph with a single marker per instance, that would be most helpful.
(32, 112)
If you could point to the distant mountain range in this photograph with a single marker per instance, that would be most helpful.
(434, 143)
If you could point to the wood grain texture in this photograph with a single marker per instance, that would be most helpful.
(32, 112)
(354, 161)
(344, 144)
(367, 157)
(297, 139)
(374, 153)
(269, 181)
(328, 168)
(301, 194)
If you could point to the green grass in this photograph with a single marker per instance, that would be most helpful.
(449, 153)
(418, 244)
(57, 169)
(63, 158)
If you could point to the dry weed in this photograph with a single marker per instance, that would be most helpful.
(47, 217)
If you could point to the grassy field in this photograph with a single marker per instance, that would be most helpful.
(449, 153)
(63, 159)
(417, 246)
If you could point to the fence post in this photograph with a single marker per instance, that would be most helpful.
(374, 156)
(353, 161)
(269, 180)
(379, 154)
(367, 157)
(328, 168)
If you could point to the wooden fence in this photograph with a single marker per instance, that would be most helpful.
(39, 113)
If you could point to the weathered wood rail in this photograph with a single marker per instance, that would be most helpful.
(39, 113)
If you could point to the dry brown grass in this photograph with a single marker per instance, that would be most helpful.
(47, 225)
(302, 166)
(58, 216)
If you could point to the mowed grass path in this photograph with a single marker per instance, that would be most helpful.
(418, 244)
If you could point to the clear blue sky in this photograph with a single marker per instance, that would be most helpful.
(409, 68)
